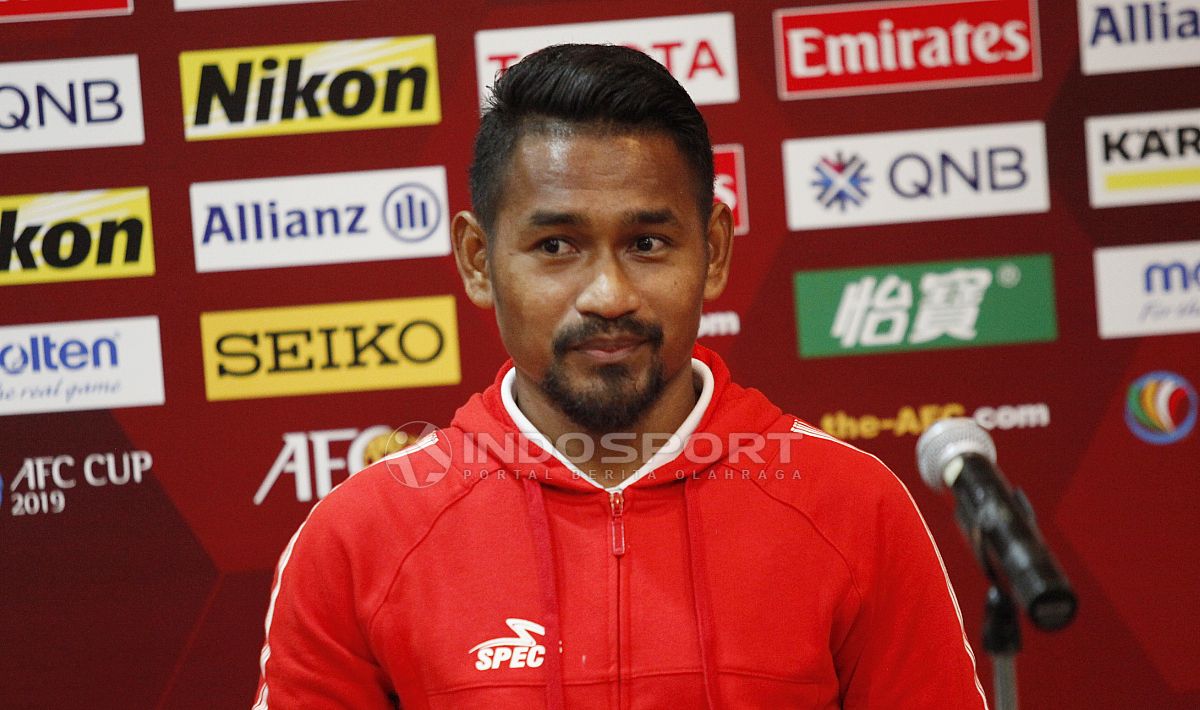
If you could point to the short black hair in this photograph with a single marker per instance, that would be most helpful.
(587, 87)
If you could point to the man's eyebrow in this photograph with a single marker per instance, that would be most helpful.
(545, 218)
(663, 216)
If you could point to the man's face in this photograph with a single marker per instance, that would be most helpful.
(598, 269)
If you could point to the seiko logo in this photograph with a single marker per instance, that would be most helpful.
(369, 345)
(304, 88)
(342, 347)
(109, 237)
(902, 46)
(520, 651)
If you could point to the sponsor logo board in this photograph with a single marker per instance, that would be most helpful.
(182, 5)
(1137, 36)
(1151, 289)
(42, 483)
(729, 183)
(312, 457)
(911, 420)
(698, 50)
(24, 10)
(80, 365)
(336, 347)
(869, 48)
(916, 176)
(317, 87)
(925, 306)
(320, 219)
(1144, 158)
(1160, 407)
(70, 103)
(75, 236)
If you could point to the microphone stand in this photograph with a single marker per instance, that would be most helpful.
(1001, 637)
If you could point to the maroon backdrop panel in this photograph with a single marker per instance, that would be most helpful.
(170, 253)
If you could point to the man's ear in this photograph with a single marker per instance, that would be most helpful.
(471, 256)
(720, 249)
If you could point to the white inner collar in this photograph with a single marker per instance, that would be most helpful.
(664, 454)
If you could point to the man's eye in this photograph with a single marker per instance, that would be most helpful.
(646, 245)
(551, 246)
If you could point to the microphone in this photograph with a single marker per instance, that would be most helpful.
(959, 455)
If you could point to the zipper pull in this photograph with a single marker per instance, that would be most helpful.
(617, 500)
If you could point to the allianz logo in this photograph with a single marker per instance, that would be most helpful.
(41, 353)
(410, 212)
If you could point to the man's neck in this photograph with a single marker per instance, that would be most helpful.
(608, 466)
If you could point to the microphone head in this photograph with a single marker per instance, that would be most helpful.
(945, 441)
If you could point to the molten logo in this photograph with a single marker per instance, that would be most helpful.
(520, 651)
(1160, 407)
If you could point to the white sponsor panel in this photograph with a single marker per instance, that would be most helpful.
(699, 50)
(80, 365)
(70, 103)
(181, 5)
(1144, 158)
(916, 176)
(1151, 289)
(1135, 36)
(320, 219)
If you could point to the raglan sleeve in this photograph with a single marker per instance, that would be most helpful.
(905, 646)
(316, 653)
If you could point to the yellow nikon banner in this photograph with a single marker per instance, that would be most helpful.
(337, 347)
(310, 88)
(75, 236)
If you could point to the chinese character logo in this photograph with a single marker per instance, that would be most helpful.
(841, 181)
(876, 312)
(1160, 407)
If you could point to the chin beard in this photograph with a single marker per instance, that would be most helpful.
(613, 401)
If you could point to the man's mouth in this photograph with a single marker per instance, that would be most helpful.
(609, 349)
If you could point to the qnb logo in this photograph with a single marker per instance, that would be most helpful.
(1160, 407)
(841, 181)
(520, 651)
(997, 169)
(1164, 277)
(41, 353)
(44, 104)
(411, 212)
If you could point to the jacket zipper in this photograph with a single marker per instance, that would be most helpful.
(616, 501)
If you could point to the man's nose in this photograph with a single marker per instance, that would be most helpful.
(609, 293)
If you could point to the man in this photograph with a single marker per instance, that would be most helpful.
(618, 524)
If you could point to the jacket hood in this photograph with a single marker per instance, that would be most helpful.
(492, 440)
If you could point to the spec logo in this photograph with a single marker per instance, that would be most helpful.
(23, 10)
(1135, 36)
(1148, 289)
(75, 236)
(310, 88)
(698, 50)
(320, 219)
(337, 347)
(925, 306)
(70, 103)
(519, 651)
(1144, 158)
(870, 48)
(80, 365)
(1160, 407)
(729, 183)
(916, 176)
(182, 5)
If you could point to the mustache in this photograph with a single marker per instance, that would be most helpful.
(593, 326)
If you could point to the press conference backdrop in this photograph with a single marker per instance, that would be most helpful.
(225, 279)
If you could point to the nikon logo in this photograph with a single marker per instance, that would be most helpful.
(343, 347)
(75, 236)
(310, 88)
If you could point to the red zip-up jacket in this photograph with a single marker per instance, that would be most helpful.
(797, 575)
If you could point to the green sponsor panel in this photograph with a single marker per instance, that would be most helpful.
(928, 306)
